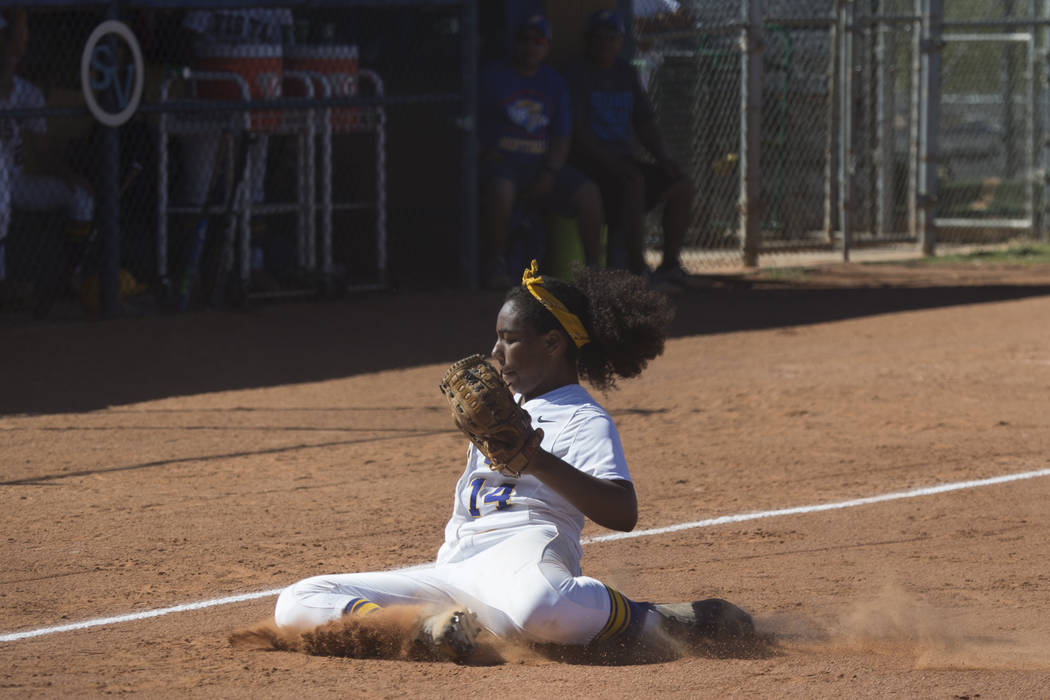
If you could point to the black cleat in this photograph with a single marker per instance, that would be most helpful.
(711, 620)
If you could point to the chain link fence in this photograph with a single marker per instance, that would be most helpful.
(993, 110)
(850, 121)
(276, 151)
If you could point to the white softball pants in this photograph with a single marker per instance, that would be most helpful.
(526, 584)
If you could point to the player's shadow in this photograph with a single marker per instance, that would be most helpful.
(759, 646)
(83, 367)
(731, 308)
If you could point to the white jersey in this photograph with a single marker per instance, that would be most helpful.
(575, 429)
(512, 547)
(23, 95)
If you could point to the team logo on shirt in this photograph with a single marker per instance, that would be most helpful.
(528, 114)
(611, 114)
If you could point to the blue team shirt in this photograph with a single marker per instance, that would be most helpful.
(518, 115)
(610, 102)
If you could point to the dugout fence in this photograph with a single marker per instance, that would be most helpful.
(336, 150)
(228, 151)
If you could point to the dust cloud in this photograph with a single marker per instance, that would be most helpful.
(892, 622)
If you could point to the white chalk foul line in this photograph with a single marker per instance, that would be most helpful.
(711, 522)
(130, 617)
(914, 493)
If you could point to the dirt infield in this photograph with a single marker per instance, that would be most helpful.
(155, 463)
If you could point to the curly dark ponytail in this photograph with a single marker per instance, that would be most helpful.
(625, 319)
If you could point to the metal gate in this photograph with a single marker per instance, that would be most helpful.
(987, 184)
(829, 126)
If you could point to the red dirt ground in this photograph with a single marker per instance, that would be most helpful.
(162, 461)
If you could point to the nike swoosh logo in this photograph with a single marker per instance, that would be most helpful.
(544, 420)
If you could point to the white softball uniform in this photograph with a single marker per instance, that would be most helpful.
(512, 546)
(31, 192)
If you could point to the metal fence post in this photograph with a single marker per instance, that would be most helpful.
(751, 45)
(108, 208)
(831, 152)
(468, 235)
(1009, 76)
(108, 221)
(929, 117)
(1040, 10)
(913, 122)
(846, 155)
(885, 110)
(1033, 132)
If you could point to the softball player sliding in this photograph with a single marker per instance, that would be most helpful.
(511, 556)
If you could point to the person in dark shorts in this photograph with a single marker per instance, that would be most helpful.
(524, 128)
(612, 118)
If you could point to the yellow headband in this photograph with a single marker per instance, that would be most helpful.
(572, 324)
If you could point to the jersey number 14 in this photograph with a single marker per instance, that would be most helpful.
(499, 495)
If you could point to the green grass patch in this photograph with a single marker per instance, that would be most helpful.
(783, 274)
(1027, 254)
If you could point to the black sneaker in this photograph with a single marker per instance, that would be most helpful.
(711, 620)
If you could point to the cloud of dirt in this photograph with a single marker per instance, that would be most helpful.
(392, 633)
(892, 622)
(388, 633)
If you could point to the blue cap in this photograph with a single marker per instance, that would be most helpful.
(538, 24)
(606, 19)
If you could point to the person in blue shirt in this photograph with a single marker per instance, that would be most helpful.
(613, 122)
(524, 128)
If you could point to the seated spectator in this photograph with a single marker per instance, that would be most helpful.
(524, 128)
(612, 117)
(51, 184)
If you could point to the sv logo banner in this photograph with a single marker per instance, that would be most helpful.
(111, 73)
